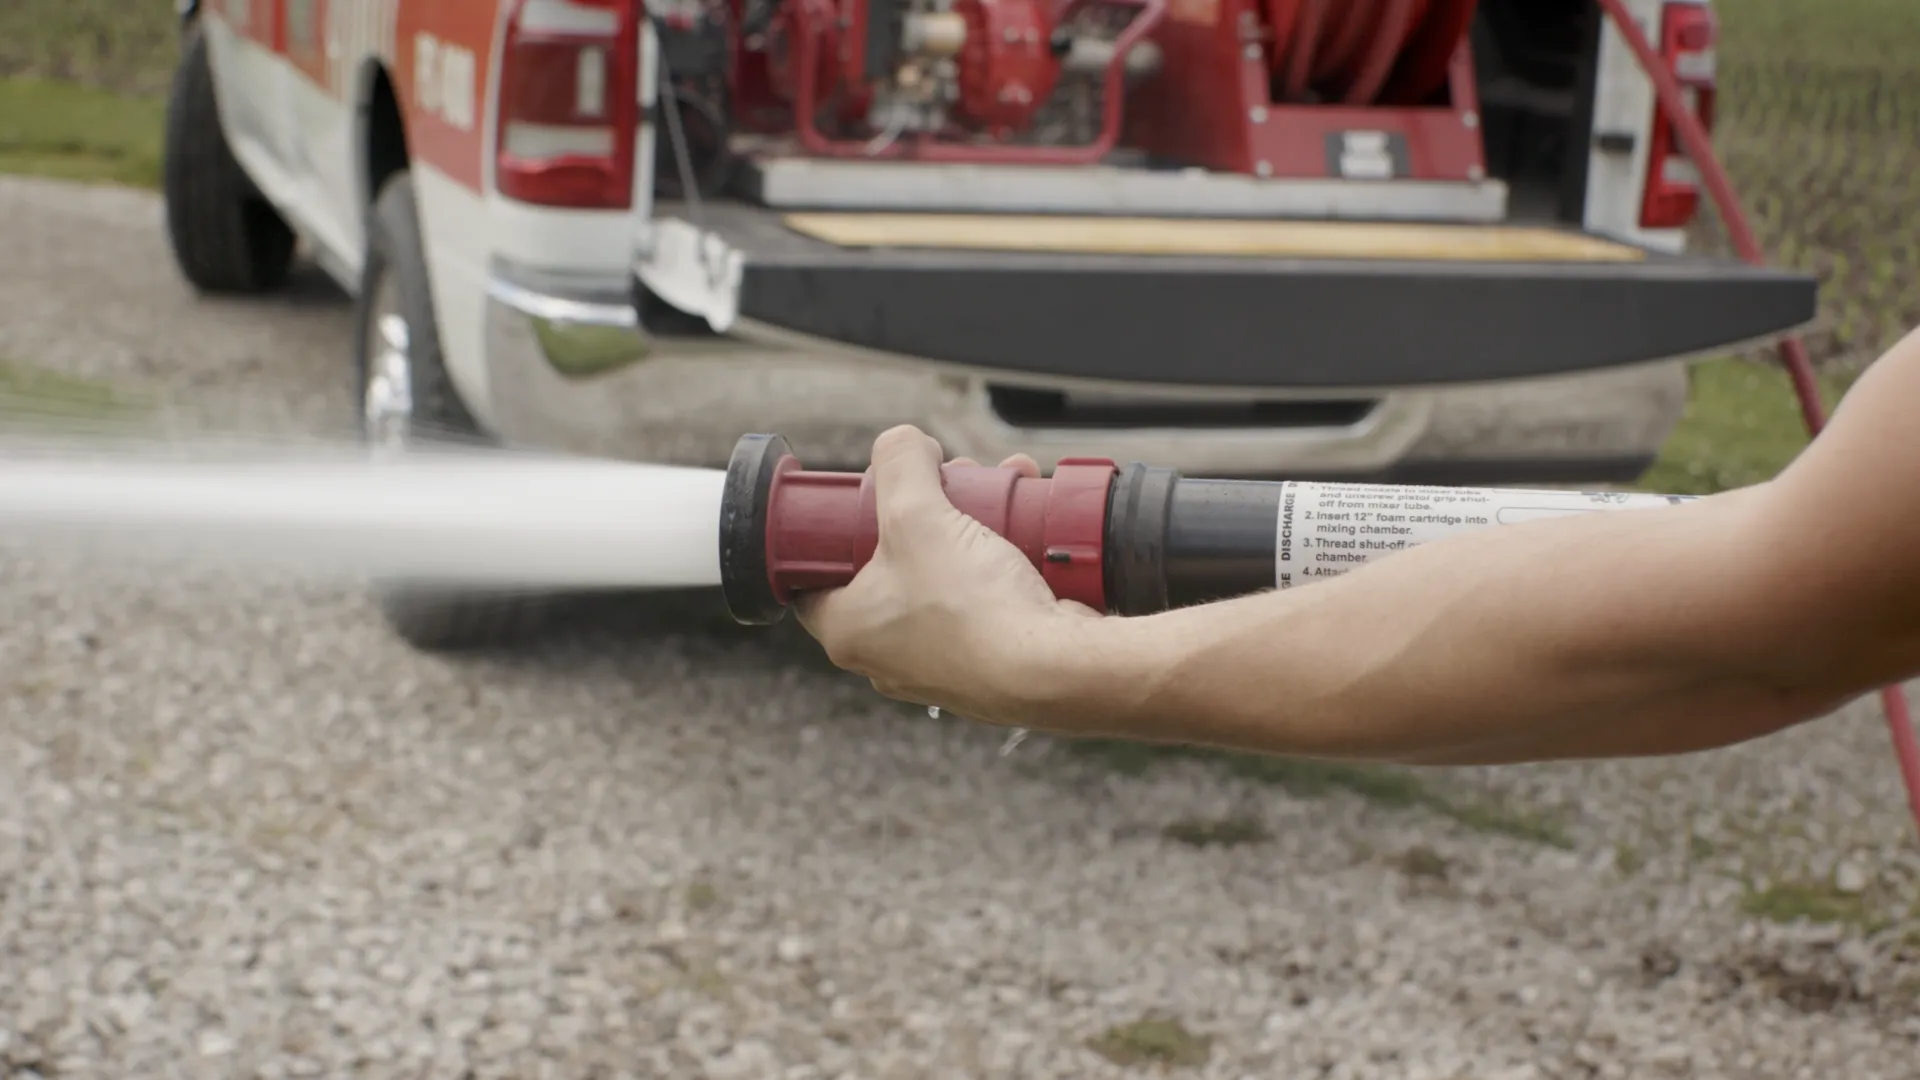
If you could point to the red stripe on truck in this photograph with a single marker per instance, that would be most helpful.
(306, 41)
(252, 20)
(441, 68)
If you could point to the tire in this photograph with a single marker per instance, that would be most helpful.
(431, 619)
(226, 237)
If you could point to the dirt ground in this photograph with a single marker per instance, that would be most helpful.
(244, 832)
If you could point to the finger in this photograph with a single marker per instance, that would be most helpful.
(964, 461)
(824, 615)
(1022, 464)
(806, 608)
(1075, 607)
(906, 477)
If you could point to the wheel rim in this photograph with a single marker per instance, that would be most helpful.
(386, 410)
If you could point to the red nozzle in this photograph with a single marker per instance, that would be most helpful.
(815, 530)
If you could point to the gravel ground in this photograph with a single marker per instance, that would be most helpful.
(243, 832)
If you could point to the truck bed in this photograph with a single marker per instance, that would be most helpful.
(1258, 304)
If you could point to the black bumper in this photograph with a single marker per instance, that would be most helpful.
(1251, 322)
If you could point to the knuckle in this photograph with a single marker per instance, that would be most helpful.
(900, 437)
(844, 653)
(900, 516)
(847, 648)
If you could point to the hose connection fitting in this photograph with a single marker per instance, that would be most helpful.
(785, 530)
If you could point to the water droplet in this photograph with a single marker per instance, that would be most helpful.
(933, 712)
(1013, 741)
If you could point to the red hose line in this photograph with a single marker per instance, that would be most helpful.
(1306, 34)
(1426, 61)
(1347, 50)
(1793, 352)
(1347, 38)
(1390, 40)
(1282, 15)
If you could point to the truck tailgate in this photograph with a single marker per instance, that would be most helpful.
(1262, 303)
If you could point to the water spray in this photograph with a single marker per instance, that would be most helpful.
(1126, 540)
(480, 519)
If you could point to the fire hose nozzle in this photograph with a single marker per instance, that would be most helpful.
(1121, 539)
(784, 529)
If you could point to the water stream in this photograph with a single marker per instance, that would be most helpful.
(483, 518)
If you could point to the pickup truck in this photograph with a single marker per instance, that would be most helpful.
(1226, 236)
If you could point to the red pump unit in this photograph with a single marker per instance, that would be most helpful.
(978, 68)
(1347, 89)
(1354, 89)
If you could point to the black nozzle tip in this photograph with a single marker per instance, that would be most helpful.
(743, 530)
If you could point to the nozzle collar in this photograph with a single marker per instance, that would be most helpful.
(749, 595)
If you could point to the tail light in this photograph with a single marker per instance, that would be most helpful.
(1689, 34)
(569, 103)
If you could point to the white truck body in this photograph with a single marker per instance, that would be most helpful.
(313, 94)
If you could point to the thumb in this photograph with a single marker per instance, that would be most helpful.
(906, 478)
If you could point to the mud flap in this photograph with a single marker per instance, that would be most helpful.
(696, 271)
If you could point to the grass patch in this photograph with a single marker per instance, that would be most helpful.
(31, 392)
(73, 132)
(1224, 832)
(702, 896)
(1627, 860)
(1817, 109)
(1394, 789)
(1423, 862)
(1742, 427)
(117, 45)
(1803, 902)
(1153, 1041)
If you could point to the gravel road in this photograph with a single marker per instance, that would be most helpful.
(243, 832)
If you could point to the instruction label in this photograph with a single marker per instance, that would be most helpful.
(1326, 530)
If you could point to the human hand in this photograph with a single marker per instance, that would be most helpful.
(947, 612)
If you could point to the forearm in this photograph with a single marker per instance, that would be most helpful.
(1626, 633)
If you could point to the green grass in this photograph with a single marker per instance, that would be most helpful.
(1153, 1041)
(1627, 860)
(1424, 862)
(1220, 832)
(1742, 427)
(702, 896)
(123, 46)
(28, 392)
(1813, 903)
(1390, 788)
(75, 132)
(81, 88)
(1818, 107)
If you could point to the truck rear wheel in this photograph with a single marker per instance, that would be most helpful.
(226, 237)
(406, 397)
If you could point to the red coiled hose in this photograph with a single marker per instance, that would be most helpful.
(1364, 52)
(1793, 352)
